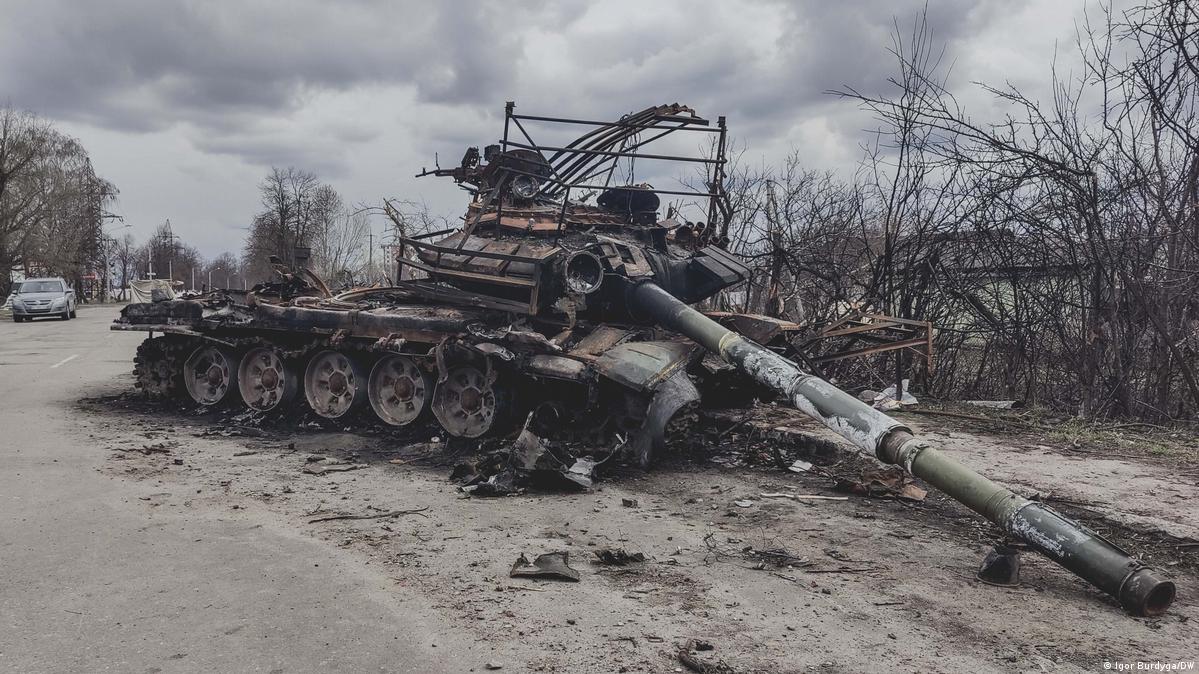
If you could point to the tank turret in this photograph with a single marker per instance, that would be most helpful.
(551, 228)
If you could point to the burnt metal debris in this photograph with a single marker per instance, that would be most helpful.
(566, 295)
(552, 565)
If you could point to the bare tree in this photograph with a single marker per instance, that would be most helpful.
(22, 139)
(288, 219)
(52, 203)
(224, 271)
(408, 219)
(1077, 260)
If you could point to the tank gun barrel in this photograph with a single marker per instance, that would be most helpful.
(1140, 589)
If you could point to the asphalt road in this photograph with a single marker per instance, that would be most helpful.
(92, 580)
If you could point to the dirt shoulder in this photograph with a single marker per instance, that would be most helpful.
(775, 585)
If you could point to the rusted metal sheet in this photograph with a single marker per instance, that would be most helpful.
(842, 339)
(761, 329)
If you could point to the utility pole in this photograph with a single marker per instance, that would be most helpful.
(370, 254)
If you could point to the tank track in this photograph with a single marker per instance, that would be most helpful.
(157, 366)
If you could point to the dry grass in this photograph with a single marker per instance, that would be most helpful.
(1176, 445)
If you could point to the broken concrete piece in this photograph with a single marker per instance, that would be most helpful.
(800, 466)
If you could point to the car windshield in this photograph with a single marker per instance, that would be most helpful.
(40, 287)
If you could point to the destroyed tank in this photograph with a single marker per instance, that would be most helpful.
(564, 300)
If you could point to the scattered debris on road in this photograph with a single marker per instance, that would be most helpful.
(882, 483)
(617, 556)
(687, 657)
(372, 516)
(800, 497)
(155, 448)
(324, 465)
(529, 461)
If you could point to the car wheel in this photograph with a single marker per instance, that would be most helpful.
(72, 312)
(66, 315)
(16, 318)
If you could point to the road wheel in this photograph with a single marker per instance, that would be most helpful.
(265, 380)
(468, 405)
(210, 374)
(334, 384)
(399, 390)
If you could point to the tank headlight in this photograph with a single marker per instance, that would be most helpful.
(584, 273)
(525, 187)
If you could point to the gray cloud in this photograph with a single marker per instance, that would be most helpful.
(149, 64)
(365, 92)
(174, 61)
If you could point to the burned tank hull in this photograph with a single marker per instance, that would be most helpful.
(521, 310)
(473, 371)
(566, 299)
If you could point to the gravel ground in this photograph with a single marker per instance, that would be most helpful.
(862, 584)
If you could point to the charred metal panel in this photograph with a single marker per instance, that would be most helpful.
(557, 367)
(642, 365)
(600, 340)
(414, 323)
(672, 395)
(169, 312)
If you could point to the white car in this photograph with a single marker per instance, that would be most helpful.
(43, 297)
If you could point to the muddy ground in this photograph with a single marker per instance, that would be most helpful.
(862, 584)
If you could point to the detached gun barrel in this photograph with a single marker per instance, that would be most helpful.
(1140, 589)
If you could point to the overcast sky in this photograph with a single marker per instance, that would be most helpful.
(186, 105)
